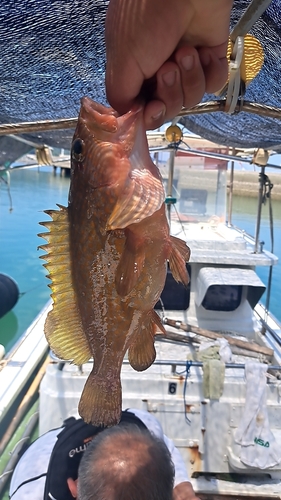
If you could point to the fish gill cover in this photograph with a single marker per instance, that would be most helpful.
(52, 52)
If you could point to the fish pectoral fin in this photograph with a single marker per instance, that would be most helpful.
(63, 326)
(179, 255)
(130, 265)
(101, 400)
(141, 199)
(142, 352)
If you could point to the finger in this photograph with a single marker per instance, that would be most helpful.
(123, 75)
(179, 83)
(192, 75)
(168, 96)
(215, 69)
(154, 114)
(169, 88)
(128, 87)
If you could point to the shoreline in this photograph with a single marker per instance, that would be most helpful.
(247, 184)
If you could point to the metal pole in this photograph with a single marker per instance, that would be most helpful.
(258, 223)
(16, 454)
(26, 127)
(219, 105)
(250, 16)
(170, 181)
(230, 199)
(195, 152)
(199, 364)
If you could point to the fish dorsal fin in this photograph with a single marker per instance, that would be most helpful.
(63, 326)
(180, 254)
(144, 196)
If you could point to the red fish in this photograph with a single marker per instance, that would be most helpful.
(107, 254)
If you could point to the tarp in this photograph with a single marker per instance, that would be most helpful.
(52, 52)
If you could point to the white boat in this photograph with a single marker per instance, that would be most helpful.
(221, 302)
(223, 299)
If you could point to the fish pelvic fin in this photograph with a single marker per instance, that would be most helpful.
(63, 326)
(180, 254)
(101, 400)
(141, 199)
(142, 352)
(130, 265)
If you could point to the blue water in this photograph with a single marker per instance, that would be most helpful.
(32, 192)
(244, 216)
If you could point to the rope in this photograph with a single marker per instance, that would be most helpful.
(266, 195)
(187, 373)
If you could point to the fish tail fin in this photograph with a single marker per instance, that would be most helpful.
(180, 254)
(142, 352)
(101, 401)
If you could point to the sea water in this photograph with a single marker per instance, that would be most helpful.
(32, 192)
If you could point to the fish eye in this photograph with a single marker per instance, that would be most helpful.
(77, 150)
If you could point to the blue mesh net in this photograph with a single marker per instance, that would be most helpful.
(53, 52)
(244, 129)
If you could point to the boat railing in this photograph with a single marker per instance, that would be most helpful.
(167, 362)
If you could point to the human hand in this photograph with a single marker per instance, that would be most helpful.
(184, 491)
(169, 54)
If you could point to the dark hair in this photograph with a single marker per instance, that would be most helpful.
(126, 463)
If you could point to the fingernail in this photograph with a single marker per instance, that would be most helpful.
(158, 115)
(169, 78)
(187, 62)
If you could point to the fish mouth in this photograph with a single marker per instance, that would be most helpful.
(96, 117)
(90, 105)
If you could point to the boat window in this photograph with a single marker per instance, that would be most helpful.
(193, 201)
(223, 297)
(174, 296)
(198, 187)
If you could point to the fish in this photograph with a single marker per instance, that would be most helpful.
(106, 256)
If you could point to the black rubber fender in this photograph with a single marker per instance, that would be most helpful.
(9, 294)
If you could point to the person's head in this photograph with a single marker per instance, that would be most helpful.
(126, 463)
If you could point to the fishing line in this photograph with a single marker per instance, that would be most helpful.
(7, 183)
(21, 294)
(180, 221)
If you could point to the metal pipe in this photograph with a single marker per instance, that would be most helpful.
(26, 127)
(205, 107)
(258, 223)
(200, 364)
(31, 394)
(219, 105)
(205, 154)
(16, 454)
(25, 141)
(272, 332)
(248, 19)
(170, 180)
(230, 198)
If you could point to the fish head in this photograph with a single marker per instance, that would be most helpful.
(111, 166)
